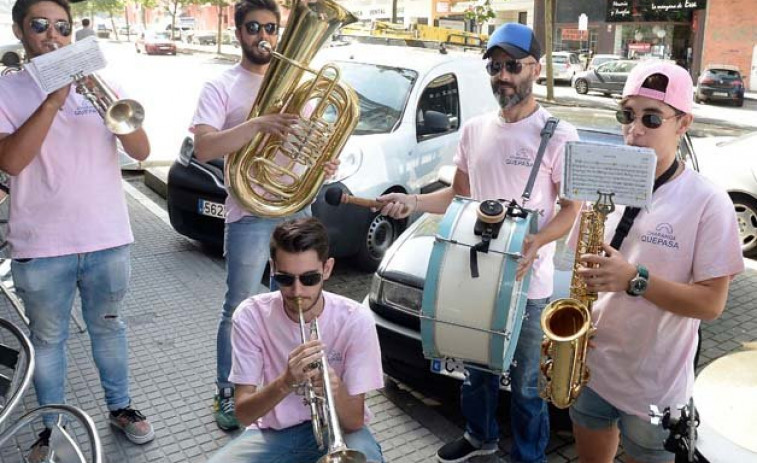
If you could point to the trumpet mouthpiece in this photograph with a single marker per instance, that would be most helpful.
(264, 46)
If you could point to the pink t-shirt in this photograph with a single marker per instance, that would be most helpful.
(645, 355)
(263, 336)
(498, 157)
(225, 102)
(69, 199)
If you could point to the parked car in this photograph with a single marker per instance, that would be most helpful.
(720, 83)
(210, 37)
(731, 163)
(11, 53)
(155, 42)
(608, 78)
(397, 287)
(102, 31)
(565, 65)
(596, 60)
(412, 105)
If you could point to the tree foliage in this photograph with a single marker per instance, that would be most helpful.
(480, 13)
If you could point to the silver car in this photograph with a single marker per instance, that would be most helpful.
(11, 53)
(607, 78)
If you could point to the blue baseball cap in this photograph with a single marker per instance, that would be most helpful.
(516, 40)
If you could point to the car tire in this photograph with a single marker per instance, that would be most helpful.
(10, 59)
(582, 86)
(746, 215)
(380, 233)
(739, 103)
(697, 99)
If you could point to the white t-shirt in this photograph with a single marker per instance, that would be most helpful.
(69, 198)
(225, 102)
(498, 156)
(263, 336)
(645, 355)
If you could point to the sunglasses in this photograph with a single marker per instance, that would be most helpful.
(253, 28)
(41, 25)
(512, 66)
(308, 279)
(649, 120)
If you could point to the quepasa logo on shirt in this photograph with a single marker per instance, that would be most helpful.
(522, 157)
(662, 235)
(85, 108)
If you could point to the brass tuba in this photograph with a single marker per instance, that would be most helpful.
(567, 322)
(323, 414)
(275, 177)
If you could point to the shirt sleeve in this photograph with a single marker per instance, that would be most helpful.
(461, 158)
(211, 108)
(362, 368)
(246, 353)
(717, 251)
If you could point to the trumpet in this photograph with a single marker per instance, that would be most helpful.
(323, 414)
(121, 116)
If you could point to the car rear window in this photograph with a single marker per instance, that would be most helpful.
(723, 73)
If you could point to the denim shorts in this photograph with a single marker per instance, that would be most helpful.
(642, 440)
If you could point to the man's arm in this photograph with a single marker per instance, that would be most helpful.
(19, 148)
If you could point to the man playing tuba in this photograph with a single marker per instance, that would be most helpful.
(69, 225)
(271, 364)
(221, 127)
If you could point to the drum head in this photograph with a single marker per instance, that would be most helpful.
(725, 393)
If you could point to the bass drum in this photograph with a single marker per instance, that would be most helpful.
(476, 319)
(725, 394)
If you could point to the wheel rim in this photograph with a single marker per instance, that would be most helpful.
(380, 236)
(582, 86)
(747, 220)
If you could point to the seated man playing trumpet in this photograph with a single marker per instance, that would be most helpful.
(277, 360)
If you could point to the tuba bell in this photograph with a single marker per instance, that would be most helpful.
(273, 176)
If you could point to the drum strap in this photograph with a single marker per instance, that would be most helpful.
(546, 134)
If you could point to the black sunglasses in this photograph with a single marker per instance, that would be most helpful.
(41, 25)
(308, 279)
(649, 120)
(512, 66)
(253, 27)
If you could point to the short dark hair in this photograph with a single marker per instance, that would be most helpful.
(21, 9)
(85, 22)
(245, 6)
(300, 235)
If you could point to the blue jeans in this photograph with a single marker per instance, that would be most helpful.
(246, 248)
(290, 445)
(48, 287)
(529, 414)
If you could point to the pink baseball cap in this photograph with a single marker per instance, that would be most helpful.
(678, 93)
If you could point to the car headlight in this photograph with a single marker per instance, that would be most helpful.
(349, 163)
(401, 296)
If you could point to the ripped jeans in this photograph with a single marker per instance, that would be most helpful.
(47, 287)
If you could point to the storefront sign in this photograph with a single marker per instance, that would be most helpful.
(651, 10)
(573, 34)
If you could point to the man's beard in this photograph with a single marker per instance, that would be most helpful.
(255, 56)
(507, 102)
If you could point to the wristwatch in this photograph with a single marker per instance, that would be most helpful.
(638, 284)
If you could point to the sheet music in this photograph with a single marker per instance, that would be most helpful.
(56, 69)
(627, 171)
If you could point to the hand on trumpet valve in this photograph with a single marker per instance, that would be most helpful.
(301, 363)
(333, 379)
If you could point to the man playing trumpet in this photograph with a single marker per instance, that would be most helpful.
(271, 365)
(69, 225)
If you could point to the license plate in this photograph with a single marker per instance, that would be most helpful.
(211, 209)
(719, 94)
(455, 368)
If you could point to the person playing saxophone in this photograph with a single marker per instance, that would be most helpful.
(271, 364)
(657, 278)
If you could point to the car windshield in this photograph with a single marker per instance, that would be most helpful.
(158, 36)
(382, 91)
(597, 61)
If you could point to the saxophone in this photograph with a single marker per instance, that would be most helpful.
(567, 322)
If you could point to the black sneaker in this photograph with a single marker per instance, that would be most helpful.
(460, 450)
(134, 425)
(40, 448)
